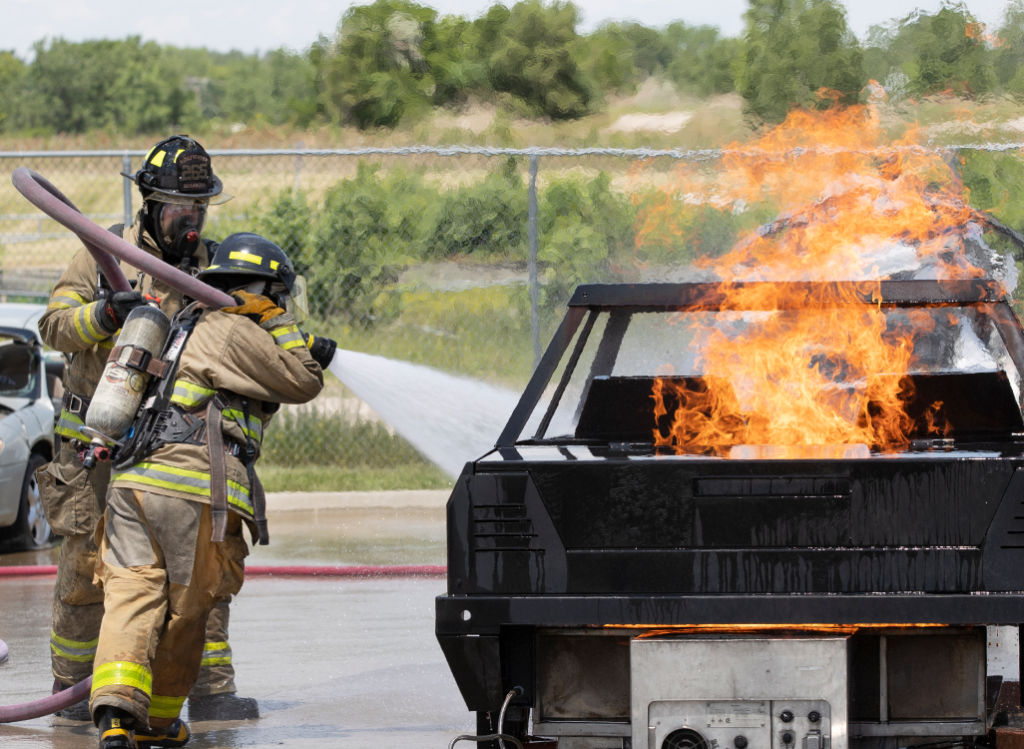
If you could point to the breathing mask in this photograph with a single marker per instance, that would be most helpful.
(176, 225)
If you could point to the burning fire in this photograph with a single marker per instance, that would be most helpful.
(852, 206)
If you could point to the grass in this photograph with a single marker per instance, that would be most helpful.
(339, 479)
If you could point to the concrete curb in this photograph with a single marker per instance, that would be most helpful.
(411, 498)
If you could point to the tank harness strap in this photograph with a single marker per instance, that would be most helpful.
(218, 468)
(76, 405)
(140, 360)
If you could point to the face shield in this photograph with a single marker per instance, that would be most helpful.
(297, 302)
(162, 197)
(176, 218)
(294, 302)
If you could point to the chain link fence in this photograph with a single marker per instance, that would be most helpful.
(456, 258)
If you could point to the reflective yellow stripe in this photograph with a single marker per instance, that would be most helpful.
(288, 337)
(122, 673)
(179, 152)
(165, 707)
(113, 732)
(167, 477)
(189, 395)
(246, 256)
(274, 264)
(216, 654)
(182, 480)
(158, 160)
(69, 425)
(254, 429)
(73, 643)
(84, 324)
(65, 300)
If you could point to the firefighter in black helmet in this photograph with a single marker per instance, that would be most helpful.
(82, 320)
(177, 185)
(189, 492)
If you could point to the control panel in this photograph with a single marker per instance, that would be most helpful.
(739, 724)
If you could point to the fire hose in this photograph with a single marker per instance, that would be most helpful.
(104, 246)
(47, 705)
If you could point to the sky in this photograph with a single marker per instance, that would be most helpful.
(251, 25)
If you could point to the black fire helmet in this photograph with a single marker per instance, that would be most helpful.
(178, 169)
(246, 257)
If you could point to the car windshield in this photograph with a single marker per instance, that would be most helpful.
(19, 369)
(848, 374)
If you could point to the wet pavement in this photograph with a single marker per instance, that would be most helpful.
(336, 662)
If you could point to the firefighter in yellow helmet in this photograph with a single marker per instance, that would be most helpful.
(185, 484)
(82, 319)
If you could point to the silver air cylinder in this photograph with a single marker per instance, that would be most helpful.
(121, 387)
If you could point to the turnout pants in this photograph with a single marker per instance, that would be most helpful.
(74, 500)
(161, 577)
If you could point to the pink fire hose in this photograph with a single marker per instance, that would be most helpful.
(102, 244)
(47, 705)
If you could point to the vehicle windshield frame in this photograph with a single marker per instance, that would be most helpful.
(624, 300)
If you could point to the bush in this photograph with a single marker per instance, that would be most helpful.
(367, 228)
(310, 438)
(586, 232)
(489, 217)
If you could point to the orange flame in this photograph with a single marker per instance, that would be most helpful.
(980, 32)
(850, 204)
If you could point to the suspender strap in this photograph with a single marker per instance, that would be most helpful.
(259, 498)
(218, 468)
(259, 509)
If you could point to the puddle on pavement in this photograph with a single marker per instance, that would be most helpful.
(407, 535)
(403, 535)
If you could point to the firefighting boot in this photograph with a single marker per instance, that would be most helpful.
(115, 727)
(223, 706)
(175, 735)
(78, 711)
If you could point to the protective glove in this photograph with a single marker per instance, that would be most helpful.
(257, 308)
(321, 348)
(117, 307)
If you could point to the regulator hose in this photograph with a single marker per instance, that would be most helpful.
(46, 706)
(101, 243)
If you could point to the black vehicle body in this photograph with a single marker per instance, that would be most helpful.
(562, 551)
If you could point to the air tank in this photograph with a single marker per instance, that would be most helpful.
(120, 390)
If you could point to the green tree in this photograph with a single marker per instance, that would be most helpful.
(702, 61)
(375, 70)
(124, 86)
(1008, 57)
(939, 52)
(534, 57)
(12, 78)
(793, 49)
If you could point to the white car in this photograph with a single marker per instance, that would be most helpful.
(30, 390)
